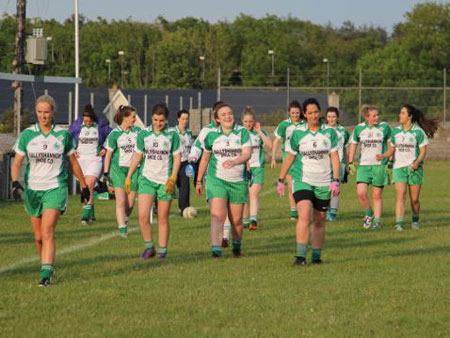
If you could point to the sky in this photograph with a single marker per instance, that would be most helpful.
(381, 13)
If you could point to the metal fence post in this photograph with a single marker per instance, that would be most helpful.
(181, 102)
(70, 108)
(200, 109)
(167, 101)
(92, 99)
(191, 101)
(219, 84)
(129, 99)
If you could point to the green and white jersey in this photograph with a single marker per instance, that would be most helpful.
(342, 140)
(312, 150)
(199, 143)
(226, 147)
(373, 142)
(257, 159)
(45, 154)
(186, 141)
(158, 150)
(407, 144)
(88, 141)
(122, 144)
(284, 132)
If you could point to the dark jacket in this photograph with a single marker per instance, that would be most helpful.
(103, 129)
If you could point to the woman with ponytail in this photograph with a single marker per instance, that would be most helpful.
(409, 143)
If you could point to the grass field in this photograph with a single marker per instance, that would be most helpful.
(377, 283)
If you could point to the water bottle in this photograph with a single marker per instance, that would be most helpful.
(189, 170)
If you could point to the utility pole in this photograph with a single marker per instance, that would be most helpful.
(18, 62)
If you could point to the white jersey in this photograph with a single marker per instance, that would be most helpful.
(199, 143)
(373, 142)
(88, 141)
(186, 141)
(407, 144)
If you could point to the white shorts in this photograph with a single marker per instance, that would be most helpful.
(91, 166)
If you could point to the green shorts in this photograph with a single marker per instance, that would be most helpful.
(233, 192)
(372, 174)
(408, 176)
(257, 175)
(36, 201)
(119, 174)
(148, 187)
(321, 193)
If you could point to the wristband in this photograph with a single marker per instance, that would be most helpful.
(281, 180)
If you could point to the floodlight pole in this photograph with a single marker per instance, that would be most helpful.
(18, 62)
(77, 60)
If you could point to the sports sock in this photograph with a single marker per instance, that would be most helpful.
(253, 219)
(376, 221)
(149, 244)
(294, 212)
(87, 211)
(162, 250)
(415, 218)
(368, 212)
(216, 250)
(333, 211)
(93, 211)
(302, 249)
(46, 270)
(123, 229)
(226, 230)
(237, 244)
(245, 222)
(315, 254)
(399, 222)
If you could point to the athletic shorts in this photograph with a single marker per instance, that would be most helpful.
(119, 174)
(319, 196)
(91, 166)
(408, 176)
(372, 174)
(233, 192)
(257, 175)
(36, 201)
(148, 187)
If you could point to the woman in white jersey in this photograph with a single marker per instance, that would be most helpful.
(332, 117)
(226, 152)
(315, 178)
(158, 148)
(45, 146)
(409, 143)
(260, 141)
(120, 147)
(283, 134)
(89, 134)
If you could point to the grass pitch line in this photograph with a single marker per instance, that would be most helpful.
(89, 243)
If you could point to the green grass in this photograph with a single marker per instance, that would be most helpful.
(373, 283)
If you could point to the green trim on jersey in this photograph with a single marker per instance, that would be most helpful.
(45, 155)
(122, 144)
(312, 149)
(158, 150)
(284, 132)
(257, 158)
(224, 147)
(407, 144)
(373, 142)
(342, 141)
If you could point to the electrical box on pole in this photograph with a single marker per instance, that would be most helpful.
(36, 53)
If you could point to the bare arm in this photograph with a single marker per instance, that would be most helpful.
(176, 164)
(135, 160)
(335, 164)
(15, 167)
(388, 154)
(420, 158)
(351, 152)
(275, 145)
(77, 170)
(201, 171)
(107, 163)
(286, 165)
(245, 156)
(266, 140)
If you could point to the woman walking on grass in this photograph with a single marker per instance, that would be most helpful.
(119, 151)
(45, 147)
(315, 178)
(409, 143)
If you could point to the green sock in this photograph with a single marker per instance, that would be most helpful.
(315, 254)
(253, 219)
(162, 250)
(415, 218)
(369, 212)
(46, 270)
(87, 211)
(237, 244)
(93, 211)
(399, 222)
(245, 222)
(294, 212)
(216, 250)
(149, 244)
(333, 211)
(123, 229)
(377, 221)
(302, 249)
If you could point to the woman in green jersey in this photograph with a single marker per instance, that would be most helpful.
(119, 151)
(409, 143)
(315, 178)
(158, 148)
(226, 151)
(260, 141)
(45, 146)
(283, 134)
